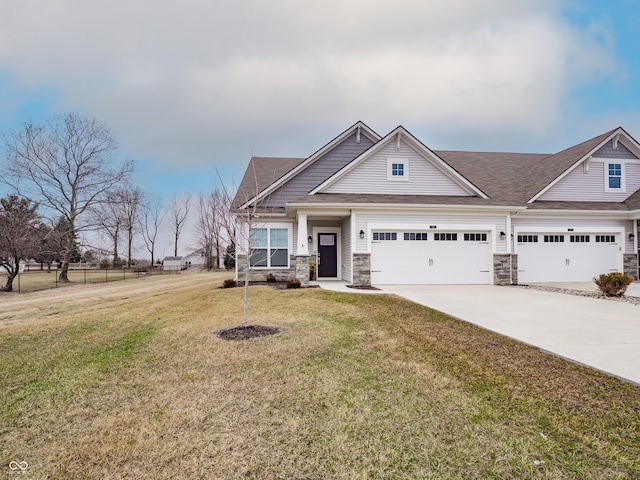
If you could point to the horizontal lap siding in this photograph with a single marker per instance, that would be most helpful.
(422, 221)
(319, 171)
(522, 223)
(346, 250)
(589, 186)
(371, 176)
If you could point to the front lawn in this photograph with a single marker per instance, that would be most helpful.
(357, 386)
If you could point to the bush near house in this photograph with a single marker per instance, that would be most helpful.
(229, 283)
(295, 283)
(613, 284)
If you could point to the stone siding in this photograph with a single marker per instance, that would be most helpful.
(505, 269)
(260, 275)
(631, 264)
(361, 269)
(302, 269)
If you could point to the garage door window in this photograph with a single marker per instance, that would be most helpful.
(446, 237)
(377, 236)
(527, 238)
(579, 238)
(554, 239)
(605, 238)
(475, 237)
(411, 236)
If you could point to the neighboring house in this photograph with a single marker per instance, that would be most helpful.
(173, 263)
(195, 259)
(388, 210)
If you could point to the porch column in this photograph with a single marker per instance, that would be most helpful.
(302, 248)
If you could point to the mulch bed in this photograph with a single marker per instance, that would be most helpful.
(247, 332)
(362, 287)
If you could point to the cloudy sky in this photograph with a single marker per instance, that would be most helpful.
(190, 86)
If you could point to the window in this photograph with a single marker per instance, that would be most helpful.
(614, 178)
(397, 169)
(269, 247)
(475, 237)
(579, 238)
(384, 236)
(554, 239)
(445, 237)
(415, 236)
(527, 238)
(605, 239)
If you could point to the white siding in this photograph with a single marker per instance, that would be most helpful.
(423, 221)
(580, 186)
(346, 250)
(371, 176)
(522, 223)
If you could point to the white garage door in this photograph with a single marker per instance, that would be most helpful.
(554, 257)
(417, 257)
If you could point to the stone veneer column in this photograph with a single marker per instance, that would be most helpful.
(302, 269)
(505, 269)
(631, 264)
(361, 269)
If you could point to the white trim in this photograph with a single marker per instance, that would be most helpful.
(565, 230)
(268, 225)
(623, 185)
(405, 169)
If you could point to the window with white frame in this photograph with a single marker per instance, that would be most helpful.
(269, 247)
(614, 177)
(397, 169)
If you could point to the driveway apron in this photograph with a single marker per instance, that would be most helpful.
(599, 333)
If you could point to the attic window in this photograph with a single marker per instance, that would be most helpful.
(397, 169)
(614, 177)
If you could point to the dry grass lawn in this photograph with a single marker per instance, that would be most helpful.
(130, 381)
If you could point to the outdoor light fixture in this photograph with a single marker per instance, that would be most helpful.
(631, 236)
(309, 239)
(361, 233)
(502, 235)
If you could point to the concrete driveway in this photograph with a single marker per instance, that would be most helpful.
(599, 333)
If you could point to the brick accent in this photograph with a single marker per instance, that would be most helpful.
(631, 264)
(505, 269)
(362, 269)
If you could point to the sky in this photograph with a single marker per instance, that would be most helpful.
(193, 88)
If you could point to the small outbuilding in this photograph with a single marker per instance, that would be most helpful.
(173, 264)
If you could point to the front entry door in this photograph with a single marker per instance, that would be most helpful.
(328, 255)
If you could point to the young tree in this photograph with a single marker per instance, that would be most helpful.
(178, 213)
(68, 166)
(19, 235)
(150, 221)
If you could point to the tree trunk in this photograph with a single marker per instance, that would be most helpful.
(64, 273)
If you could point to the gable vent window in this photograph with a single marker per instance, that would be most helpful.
(379, 236)
(579, 238)
(527, 238)
(397, 169)
(554, 239)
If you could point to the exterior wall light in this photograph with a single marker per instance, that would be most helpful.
(502, 235)
(631, 236)
(361, 233)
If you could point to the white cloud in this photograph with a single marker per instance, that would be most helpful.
(186, 81)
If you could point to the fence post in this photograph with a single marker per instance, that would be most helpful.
(85, 276)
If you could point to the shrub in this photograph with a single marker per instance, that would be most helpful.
(613, 284)
(295, 283)
(104, 263)
(229, 283)
(271, 278)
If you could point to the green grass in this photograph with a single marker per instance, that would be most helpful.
(357, 386)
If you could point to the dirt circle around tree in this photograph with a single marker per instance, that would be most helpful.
(248, 332)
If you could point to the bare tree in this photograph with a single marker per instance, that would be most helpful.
(178, 213)
(132, 199)
(150, 221)
(112, 221)
(67, 165)
(209, 229)
(19, 235)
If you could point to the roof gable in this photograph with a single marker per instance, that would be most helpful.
(428, 174)
(359, 136)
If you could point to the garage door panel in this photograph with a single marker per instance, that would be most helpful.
(429, 261)
(568, 261)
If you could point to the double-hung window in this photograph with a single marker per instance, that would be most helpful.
(614, 178)
(269, 247)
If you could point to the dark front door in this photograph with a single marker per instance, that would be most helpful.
(328, 255)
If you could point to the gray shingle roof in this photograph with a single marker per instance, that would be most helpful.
(262, 172)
